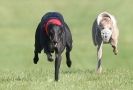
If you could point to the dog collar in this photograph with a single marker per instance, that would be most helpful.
(54, 21)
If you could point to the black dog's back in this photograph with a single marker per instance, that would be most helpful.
(49, 15)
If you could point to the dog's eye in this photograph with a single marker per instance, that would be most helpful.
(101, 28)
(60, 31)
(51, 36)
(51, 31)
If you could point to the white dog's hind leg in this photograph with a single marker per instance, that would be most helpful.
(114, 39)
(114, 45)
(99, 57)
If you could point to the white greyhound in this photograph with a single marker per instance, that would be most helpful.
(104, 31)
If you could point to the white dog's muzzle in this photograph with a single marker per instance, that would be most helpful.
(106, 35)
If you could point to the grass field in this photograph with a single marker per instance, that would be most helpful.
(18, 21)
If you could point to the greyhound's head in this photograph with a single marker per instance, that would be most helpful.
(54, 34)
(54, 29)
(106, 27)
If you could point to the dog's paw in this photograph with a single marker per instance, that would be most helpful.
(115, 52)
(50, 59)
(99, 70)
(69, 63)
(35, 60)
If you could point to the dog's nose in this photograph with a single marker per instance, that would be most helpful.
(105, 36)
(54, 42)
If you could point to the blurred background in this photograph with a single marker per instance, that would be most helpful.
(19, 19)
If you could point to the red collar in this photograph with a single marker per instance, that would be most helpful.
(52, 21)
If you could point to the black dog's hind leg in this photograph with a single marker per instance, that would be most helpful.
(38, 47)
(68, 45)
(68, 60)
(57, 65)
(37, 50)
(36, 58)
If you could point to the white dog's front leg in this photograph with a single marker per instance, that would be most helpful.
(99, 58)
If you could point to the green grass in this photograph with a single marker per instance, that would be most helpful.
(18, 21)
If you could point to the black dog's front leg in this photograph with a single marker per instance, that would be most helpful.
(49, 57)
(57, 65)
(48, 53)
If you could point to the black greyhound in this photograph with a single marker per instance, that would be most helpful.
(53, 35)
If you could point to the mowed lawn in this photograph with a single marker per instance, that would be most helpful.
(18, 21)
